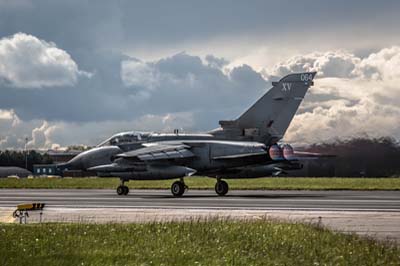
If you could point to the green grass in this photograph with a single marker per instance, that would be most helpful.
(291, 183)
(188, 243)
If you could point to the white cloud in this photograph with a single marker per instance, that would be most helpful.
(137, 73)
(384, 64)
(328, 64)
(8, 118)
(12, 133)
(357, 96)
(28, 62)
(41, 137)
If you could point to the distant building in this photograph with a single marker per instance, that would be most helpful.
(45, 169)
(6, 171)
(51, 169)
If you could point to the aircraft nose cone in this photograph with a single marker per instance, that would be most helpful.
(93, 157)
(75, 163)
(84, 160)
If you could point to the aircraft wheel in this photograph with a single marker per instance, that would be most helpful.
(178, 188)
(221, 188)
(126, 190)
(122, 190)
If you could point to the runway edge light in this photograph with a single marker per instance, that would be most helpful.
(30, 206)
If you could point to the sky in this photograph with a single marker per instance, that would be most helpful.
(76, 72)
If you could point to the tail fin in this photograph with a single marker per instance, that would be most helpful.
(268, 119)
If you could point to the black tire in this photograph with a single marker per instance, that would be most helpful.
(178, 188)
(121, 190)
(126, 190)
(221, 188)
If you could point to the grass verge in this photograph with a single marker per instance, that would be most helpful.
(282, 183)
(188, 243)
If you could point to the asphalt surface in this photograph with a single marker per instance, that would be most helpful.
(373, 214)
(381, 201)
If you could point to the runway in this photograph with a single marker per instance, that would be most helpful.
(198, 199)
(372, 213)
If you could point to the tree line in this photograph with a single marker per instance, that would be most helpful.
(362, 156)
(17, 158)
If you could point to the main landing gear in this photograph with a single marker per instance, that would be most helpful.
(221, 188)
(122, 189)
(178, 188)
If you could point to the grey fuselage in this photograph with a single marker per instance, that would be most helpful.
(207, 159)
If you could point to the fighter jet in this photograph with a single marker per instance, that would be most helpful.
(247, 147)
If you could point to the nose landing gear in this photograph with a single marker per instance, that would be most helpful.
(221, 188)
(178, 188)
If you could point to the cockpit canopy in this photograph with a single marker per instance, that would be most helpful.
(136, 137)
(125, 138)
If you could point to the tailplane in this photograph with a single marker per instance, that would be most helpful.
(268, 119)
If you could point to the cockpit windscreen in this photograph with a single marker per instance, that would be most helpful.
(125, 138)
